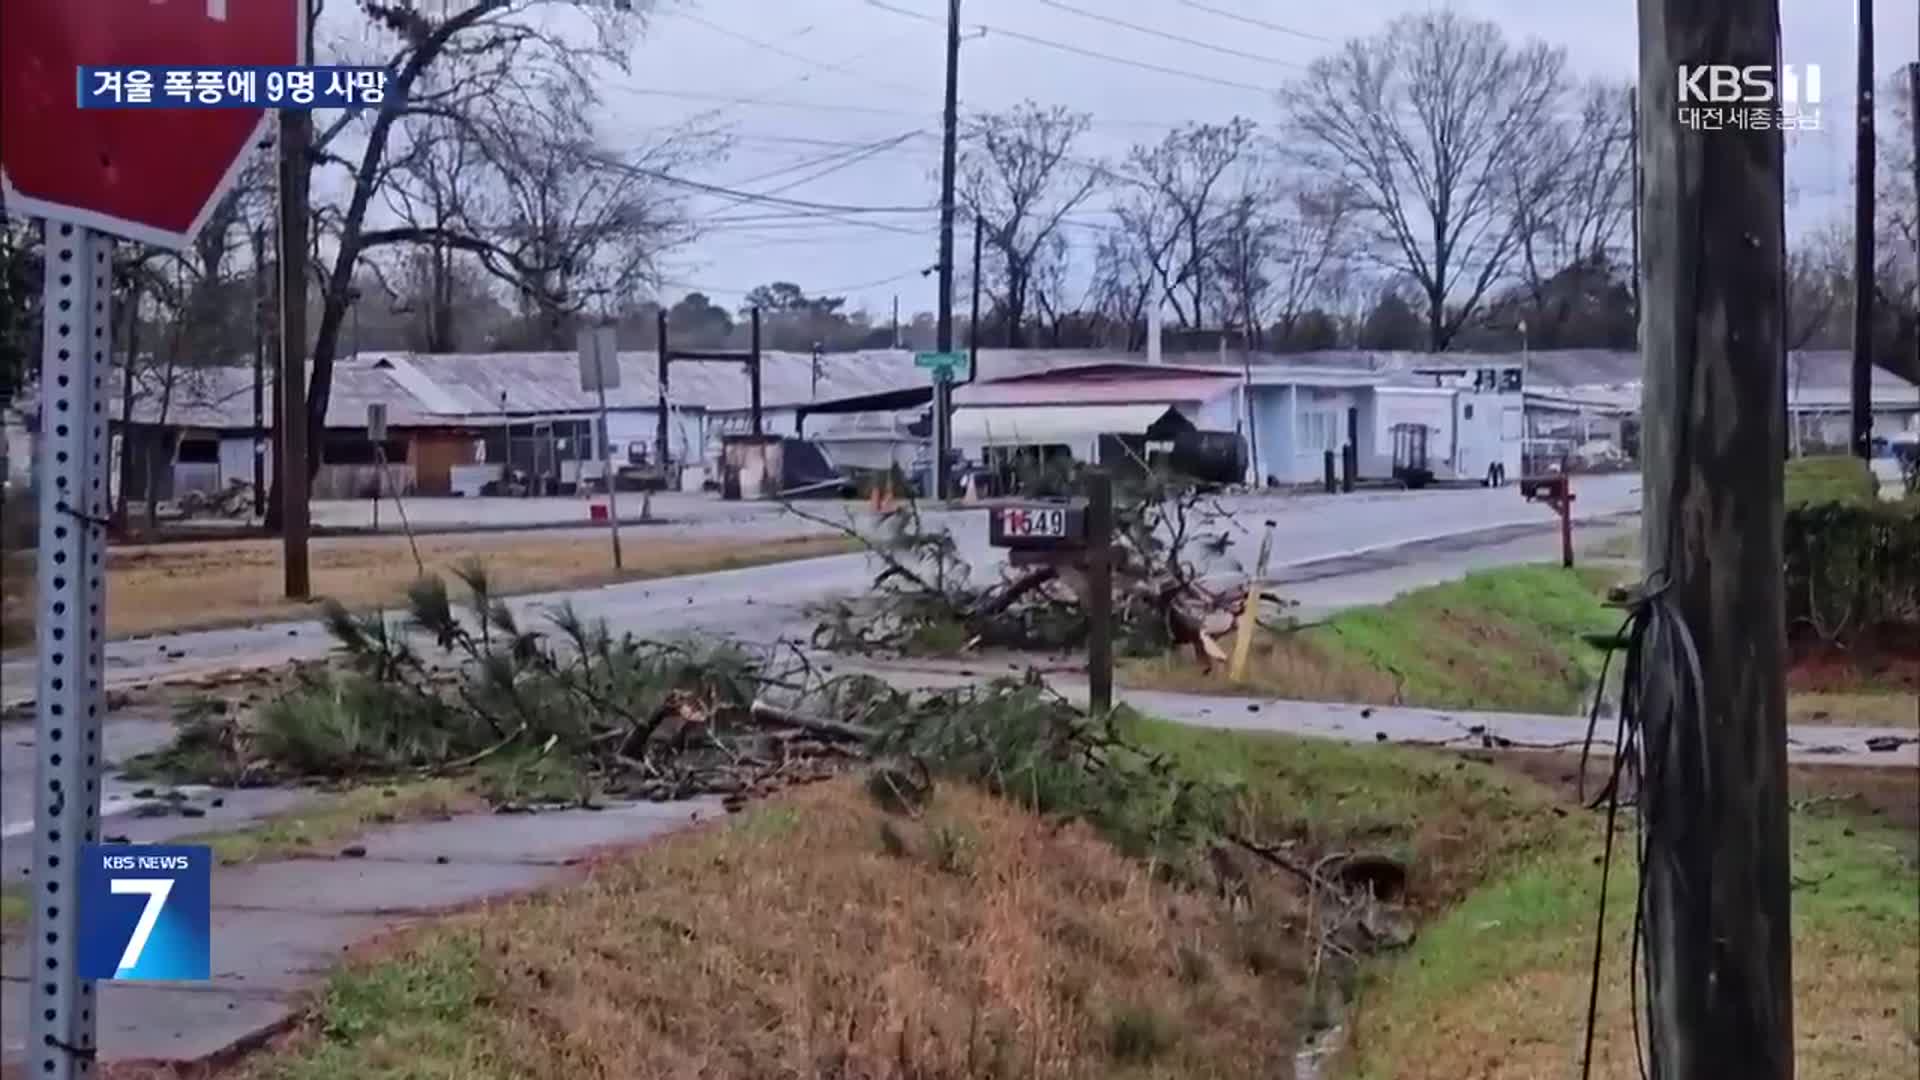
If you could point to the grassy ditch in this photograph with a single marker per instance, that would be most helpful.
(1499, 639)
(1497, 987)
(1089, 922)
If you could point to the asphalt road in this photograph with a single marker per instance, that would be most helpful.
(765, 603)
(1329, 551)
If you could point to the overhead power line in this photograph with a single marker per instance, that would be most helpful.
(849, 162)
(842, 68)
(908, 12)
(805, 106)
(1077, 50)
(1261, 23)
(856, 287)
(1168, 36)
(851, 154)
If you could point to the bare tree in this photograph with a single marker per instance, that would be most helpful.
(1279, 254)
(430, 189)
(1819, 276)
(1896, 276)
(1570, 203)
(445, 64)
(1182, 176)
(1426, 124)
(1129, 266)
(199, 305)
(1019, 179)
(583, 224)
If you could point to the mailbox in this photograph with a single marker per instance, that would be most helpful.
(1547, 489)
(1554, 490)
(1050, 525)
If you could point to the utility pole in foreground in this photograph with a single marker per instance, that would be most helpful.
(949, 152)
(1863, 174)
(1713, 800)
(290, 463)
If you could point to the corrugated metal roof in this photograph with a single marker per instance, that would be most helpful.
(489, 384)
(222, 397)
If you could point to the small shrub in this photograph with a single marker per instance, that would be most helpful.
(530, 777)
(349, 725)
(1137, 1034)
(951, 849)
(1194, 966)
(1830, 479)
(1852, 570)
(892, 841)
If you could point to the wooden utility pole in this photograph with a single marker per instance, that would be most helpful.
(262, 318)
(1633, 211)
(1718, 942)
(1099, 487)
(1913, 111)
(949, 154)
(290, 464)
(1863, 175)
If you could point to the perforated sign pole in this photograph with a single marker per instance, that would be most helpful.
(71, 621)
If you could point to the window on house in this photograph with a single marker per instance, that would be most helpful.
(1468, 411)
(199, 452)
(1319, 431)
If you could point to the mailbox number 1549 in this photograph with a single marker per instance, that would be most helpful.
(1016, 521)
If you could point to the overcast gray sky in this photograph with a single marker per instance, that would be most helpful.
(820, 74)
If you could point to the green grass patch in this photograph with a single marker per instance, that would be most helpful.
(1830, 479)
(335, 818)
(1499, 639)
(409, 1018)
(14, 908)
(1502, 976)
(1623, 544)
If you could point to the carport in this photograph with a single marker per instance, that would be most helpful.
(1078, 428)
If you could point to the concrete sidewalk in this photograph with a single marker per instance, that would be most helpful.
(280, 927)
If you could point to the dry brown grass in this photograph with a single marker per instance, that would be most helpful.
(179, 586)
(1853, 1018)
(797, 941)
(1282, 665)
(1863, 709)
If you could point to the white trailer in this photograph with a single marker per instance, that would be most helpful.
(1489, 428)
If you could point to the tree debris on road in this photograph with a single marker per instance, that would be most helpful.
(1170, 542)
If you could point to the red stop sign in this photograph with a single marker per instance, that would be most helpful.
(145, 174)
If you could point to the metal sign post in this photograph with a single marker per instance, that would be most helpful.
(943, 365)
(1099, 592)
(599, 369)
(376, 438)
(71, 620)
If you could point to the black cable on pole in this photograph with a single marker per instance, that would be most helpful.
(1661, 686)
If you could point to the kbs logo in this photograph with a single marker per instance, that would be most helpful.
(1754, 97)
(1755, 84)
(144, 911)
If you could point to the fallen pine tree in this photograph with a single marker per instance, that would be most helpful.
(1173, 585)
